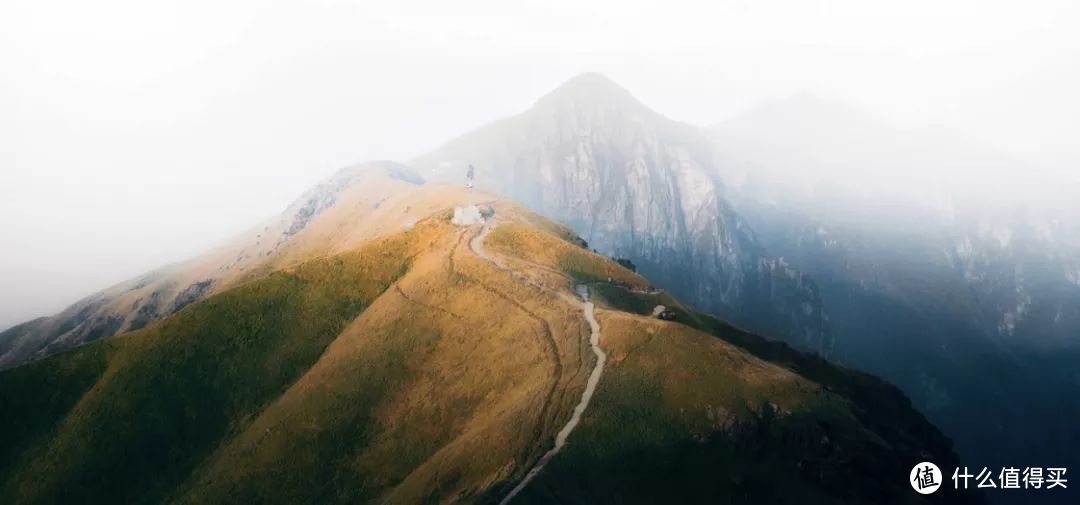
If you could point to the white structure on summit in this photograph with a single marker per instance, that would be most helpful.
(467, 216)
(470, 176)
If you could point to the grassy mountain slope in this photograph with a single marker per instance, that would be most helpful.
(720, 414)
(409, 370)
(355, 199)
(159, 400)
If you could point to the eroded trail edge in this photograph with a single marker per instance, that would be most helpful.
(477, 247)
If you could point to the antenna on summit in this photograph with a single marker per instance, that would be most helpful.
(470, 176)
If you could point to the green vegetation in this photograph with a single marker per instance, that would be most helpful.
(559, 252)
(617, 298)
(627, 264)
(127, 418)
(34, 398)
(879, 406)
(552, 228)
(584, 267)
(622, 299)
(411, 371)
(681, 417)
(367, 376)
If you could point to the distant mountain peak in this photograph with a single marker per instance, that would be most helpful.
(804, 113)
(639, 185)
(591, 81)
(806, 100)
(390, 169)
(590, 89)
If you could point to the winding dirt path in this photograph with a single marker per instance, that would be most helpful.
(545, 328)
(477, 247)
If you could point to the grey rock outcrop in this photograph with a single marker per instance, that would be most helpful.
(638, 185)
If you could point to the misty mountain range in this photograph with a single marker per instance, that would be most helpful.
(804, 220)
(638, 185)
(953, 277)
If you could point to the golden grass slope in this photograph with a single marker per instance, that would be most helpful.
(402, 368)
(355, 205)
(682, 416)
(451, 381)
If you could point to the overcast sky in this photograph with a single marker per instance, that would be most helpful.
(135, 133)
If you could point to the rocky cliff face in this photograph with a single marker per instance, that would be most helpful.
(638, 185)
(1026, 271)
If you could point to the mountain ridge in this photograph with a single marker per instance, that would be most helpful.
(591, 88)
(638, 185)
(132, 304)
(406, 368)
